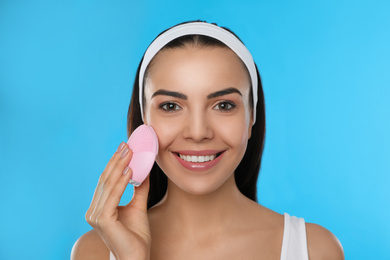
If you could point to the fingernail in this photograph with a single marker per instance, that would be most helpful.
(124, 152)
(120, 147)
(126, 170)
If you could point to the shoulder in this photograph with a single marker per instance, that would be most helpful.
(90, 246)
(322, 244)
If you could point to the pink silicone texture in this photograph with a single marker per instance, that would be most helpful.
(144, 145)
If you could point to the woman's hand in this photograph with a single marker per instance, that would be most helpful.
(124, 229)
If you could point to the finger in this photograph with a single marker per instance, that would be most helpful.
(140, 196)
(116, 194)
(114, 159)
(112, 180)
(99, 187)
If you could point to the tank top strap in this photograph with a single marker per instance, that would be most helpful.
(112, 257)
(294, 246)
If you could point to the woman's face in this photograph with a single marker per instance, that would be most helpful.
(197, 101)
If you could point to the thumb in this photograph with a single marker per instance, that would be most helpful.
(140, 196)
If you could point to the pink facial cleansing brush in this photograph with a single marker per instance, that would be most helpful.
(144, 145)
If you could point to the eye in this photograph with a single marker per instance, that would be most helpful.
(169, 106)
(225, 106)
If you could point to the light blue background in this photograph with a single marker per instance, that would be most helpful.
(66, 73)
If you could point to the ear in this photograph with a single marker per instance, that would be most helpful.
(250, 130)
(250, 126)
(145, 118)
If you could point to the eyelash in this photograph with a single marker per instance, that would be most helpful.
(230, 106)
(164, 106)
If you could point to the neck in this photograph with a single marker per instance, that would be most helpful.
(198, 215)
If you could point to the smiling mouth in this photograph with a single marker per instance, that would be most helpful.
(198, 159)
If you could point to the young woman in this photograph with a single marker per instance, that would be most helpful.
(199, 88)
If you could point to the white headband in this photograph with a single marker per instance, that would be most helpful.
(206, 29)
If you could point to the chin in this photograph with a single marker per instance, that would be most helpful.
(199, 186)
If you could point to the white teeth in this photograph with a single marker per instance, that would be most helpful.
(194, 158)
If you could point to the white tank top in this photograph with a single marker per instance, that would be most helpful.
(294, 246)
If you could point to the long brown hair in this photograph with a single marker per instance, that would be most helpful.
(247, 171)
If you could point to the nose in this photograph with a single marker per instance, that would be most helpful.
(198, 127)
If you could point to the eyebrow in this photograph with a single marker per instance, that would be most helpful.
(175, 94)
(223, 92)
(169, 93)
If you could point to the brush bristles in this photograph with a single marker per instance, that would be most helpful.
(143, 139)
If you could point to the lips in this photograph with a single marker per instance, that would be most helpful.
(198, 160)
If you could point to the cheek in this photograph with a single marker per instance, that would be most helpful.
(233, 132)
(166, 132)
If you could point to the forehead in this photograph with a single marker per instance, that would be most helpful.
(197, 66)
